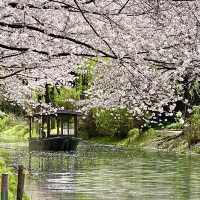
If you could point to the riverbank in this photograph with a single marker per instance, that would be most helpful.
(164, 140)
(12, 182)
(13, 128)
(16, 129)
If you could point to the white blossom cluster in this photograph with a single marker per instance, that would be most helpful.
(146, 46)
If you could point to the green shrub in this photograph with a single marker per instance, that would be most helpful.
(134, 132)
(138, 138)
(12, 127)
(88, 125)
(112, 122)
(175, 125)
(5, 121)
(192, 128)
(133, 135)
(12, 181)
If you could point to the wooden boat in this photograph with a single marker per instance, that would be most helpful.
(64, 139)
(59, 143)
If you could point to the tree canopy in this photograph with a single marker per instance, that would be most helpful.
(149, 45)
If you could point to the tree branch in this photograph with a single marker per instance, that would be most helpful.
(33, 28)
(96, 33)
(120, 10)
(11, 74)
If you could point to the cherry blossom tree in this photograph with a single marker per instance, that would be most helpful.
(144, 47)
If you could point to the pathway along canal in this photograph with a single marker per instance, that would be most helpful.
(97, 172)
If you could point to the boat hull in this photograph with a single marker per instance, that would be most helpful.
(64, 143)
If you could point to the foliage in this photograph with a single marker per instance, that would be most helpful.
(43, 42)
(136, 138)
(113, 122)
(85, 75)
(12, 181)
(178, 122)
(8, 107)
(12, 127)
(5, 121)
(66, 98)
(194, 93)
(19, 131)
(176, 125)
(88, 124)
(192, 128)
(133, 135)
(62, 96)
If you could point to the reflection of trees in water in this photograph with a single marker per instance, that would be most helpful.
(49, 162)
(182, 180)
(95, 170)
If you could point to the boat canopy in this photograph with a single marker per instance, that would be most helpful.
(54, 124)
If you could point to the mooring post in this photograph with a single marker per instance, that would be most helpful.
(4, 187)
(20, 184)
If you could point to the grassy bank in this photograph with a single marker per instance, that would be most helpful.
(165, 140)
(12, 181)
(13, 128)
(179, 137)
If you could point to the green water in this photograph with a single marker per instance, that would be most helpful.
(97, 172)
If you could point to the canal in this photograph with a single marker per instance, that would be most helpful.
(97, 172)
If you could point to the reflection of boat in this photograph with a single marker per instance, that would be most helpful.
(53, 131)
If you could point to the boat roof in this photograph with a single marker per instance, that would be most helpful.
(58, 113)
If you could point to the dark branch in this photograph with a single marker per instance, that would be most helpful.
(11, 55)
(13, 48)
(159, 61)
(11, 74)
(97, 34)
(33, 28)
(63, 54)
(120, 10)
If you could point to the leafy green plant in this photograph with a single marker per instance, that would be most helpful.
(4, 122)
(12, 127)
(136, 138)
(192, 128)
(112, 122)
(85, 75)
(88, 124)
(12, 181)
(175, 125)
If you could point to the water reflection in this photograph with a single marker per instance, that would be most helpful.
(106, 172)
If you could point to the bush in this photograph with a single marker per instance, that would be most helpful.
(12, 181)
(136, 138)
(12, 127)
(176, 125)
(192, 128)
(5, 121)
(112, 122)
(88, 125)
(134, 133)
